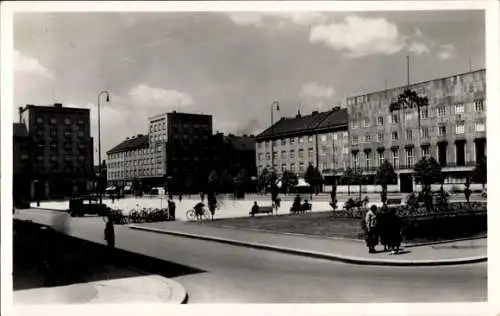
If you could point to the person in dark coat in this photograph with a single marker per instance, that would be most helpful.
(212, 204)
(109, 232)
(171, 210)
(393, 227)
(371, 229)
(382, 227)
(255, 208)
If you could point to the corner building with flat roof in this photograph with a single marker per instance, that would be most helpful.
(452, 129)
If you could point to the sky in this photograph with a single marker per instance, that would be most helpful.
(231, 65)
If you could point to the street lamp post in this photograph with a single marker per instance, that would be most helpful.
(99, 136)
(272, 130)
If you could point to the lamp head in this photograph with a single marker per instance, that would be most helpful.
(107, 97)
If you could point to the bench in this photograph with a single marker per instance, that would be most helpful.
(302, 209)
(394, 201)
(262, 210)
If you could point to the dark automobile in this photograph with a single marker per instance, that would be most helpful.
(84, 205)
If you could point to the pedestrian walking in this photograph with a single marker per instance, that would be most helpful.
(212, 204)
(171, 210)
(371, 227)
(180, 197)
(109, 232)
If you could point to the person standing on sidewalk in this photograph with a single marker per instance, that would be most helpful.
(109, 232)
(371, 229)
(394, 237)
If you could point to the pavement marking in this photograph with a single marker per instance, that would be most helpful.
(320, 255)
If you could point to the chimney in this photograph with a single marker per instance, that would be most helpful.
(298, 114)
(20, 114)
(58, 105)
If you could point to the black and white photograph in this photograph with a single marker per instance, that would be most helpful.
(228, 156)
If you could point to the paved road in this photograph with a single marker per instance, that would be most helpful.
(241, 275)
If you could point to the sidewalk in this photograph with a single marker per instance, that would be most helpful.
(458, 252)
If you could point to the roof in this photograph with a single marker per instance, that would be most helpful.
(19, 130)
(138, 142)
(241, 142)
(303, 124)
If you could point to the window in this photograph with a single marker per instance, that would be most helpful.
(268, 143)
(478, 106)
(480, 126)
(424, 132)
(260, 156)
(442, 130)
(53, 121)
(292, 154)
(355, 140)
(410, 158)
(301, 153)
(381, 158)
(301, 167)
(301, 140)
(268, 156)
(367, 159)
(441, 111)
(355, 124)
(394, 118)
(292, 167)
(460, 128)
(366, 122)
(380, 137)
(292, 140)
(67, 121)
(310, 153)
(368, 138)
(355, 159)
(311, 139)
(39, 119)
(283, 154)
(409, 134)
(394, 135)
(424, 114)
(283, 142)
(395, 158)
(459, 108)
(426, 152)
(283, 167)
(323, 138)
(380, 121)
(408, 115)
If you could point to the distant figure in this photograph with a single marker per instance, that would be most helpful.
(180, 197)
(277, 204)
(371, 227)
(113, 198)
(198, 209)
(305, 206)
(382, 231)
(109, 232)
(296, 204)
(255, 208)
(171, 210)
(202, 196)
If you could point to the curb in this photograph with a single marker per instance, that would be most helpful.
(319, 255)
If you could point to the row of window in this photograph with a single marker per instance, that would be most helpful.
(300, 139)
(291, 153)
(424, 132)
(410, 114)
(54, 121)
(301, 167)
(139, 161)
(134, 173)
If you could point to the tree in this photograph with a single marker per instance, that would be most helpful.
(359, 178)
(288, 180)
(333, 195)
(479, 174)
(213, 181)
(310, 177)
(348, 177)
(385, 175)
(318, 180)
(273, 179)
(241, 181)
(409, 99)
(467, 191)
(427, 172)
(264, 178)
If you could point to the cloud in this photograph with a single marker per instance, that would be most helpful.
(143, 93)
(30, 66)
(261, 19)
(314, 90)
(359, 37)
(446, 51)
(418, 48)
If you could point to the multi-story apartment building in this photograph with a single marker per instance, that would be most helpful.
(235, 153)
(129, 160)
(158, 136)
(292, 144)
(61, 149)
(452, 128)
(191, 151)
(21, 163)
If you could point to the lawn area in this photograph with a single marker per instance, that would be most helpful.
(324, 225)
(320, 224)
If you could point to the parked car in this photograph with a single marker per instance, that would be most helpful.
(85, 205)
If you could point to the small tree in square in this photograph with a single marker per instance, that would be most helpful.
(288, 180)
(479, 174)
(427, 172)
(213, 182)
(467, 190)
(333, 195)
(348, 177)
(385, 175)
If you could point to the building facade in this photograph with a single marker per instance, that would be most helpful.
(158, 136)
(61, 149)
(452, 128)
(292, 144)
(235, 153)
(21, 162)
(129, 160)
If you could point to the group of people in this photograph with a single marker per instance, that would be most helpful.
(199, 208)
(383, 226)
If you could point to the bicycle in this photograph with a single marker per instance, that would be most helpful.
(192, 216)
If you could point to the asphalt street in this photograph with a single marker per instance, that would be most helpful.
(241, 275)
